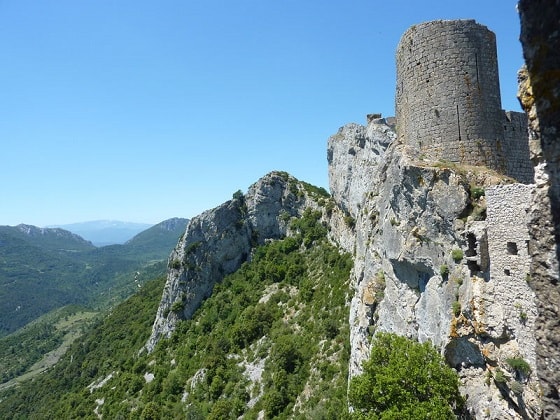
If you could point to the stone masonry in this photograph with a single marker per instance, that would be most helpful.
(510, 263)
(516, 147)
(448, 101)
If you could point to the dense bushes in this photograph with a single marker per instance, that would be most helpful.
(405, 379)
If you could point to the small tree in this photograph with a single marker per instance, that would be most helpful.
(404, 379)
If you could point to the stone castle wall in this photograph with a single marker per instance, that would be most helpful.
(448, 95)
(448, 101)
(510, 265)
(508, 236)
(516, 147)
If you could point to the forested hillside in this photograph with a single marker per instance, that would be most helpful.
(273, 338)
(45, 269)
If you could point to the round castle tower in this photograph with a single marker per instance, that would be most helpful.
(448, 103)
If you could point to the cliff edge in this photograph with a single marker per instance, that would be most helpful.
(440, 254)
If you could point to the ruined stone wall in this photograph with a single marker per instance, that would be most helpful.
(448, 101)
(508, 308)
(516, 147)
(508, 248)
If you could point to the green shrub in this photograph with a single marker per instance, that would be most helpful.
(457, 255)
(177, 306)
(350, 221)
(404, 379)
(192, 247)
(477, 192)
(151, 411)
(519, 365)
(444, 270)
(284, 216)
(516, 387)
(456, 307)
(379, 286)
(499, 376)
(329, 207)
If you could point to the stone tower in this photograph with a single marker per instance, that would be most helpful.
(448, 103)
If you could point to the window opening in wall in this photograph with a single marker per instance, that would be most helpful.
(512, 248)
(471, 241)
(471, 253)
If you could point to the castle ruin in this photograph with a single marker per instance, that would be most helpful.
(448, 103)
(448, 109)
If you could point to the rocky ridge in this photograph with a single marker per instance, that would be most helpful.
(218, 241)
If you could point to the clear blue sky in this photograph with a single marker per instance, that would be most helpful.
(144, 110)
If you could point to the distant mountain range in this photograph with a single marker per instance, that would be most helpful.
(42, 269)
(105, 232)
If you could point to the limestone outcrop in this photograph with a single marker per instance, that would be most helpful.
(218, 241)
(428, 265)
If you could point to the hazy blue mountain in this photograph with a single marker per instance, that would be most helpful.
(106, 232)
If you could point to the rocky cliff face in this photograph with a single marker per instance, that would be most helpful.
(423, 257)
(539, 93)
(218, 241)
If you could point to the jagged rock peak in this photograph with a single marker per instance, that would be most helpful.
(218, 241)
(354, 154)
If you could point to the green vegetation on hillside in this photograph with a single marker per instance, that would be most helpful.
(404, 379)
(35, 280)
(110, 346)
(45, 269)
(273, 337)
(20, 350)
